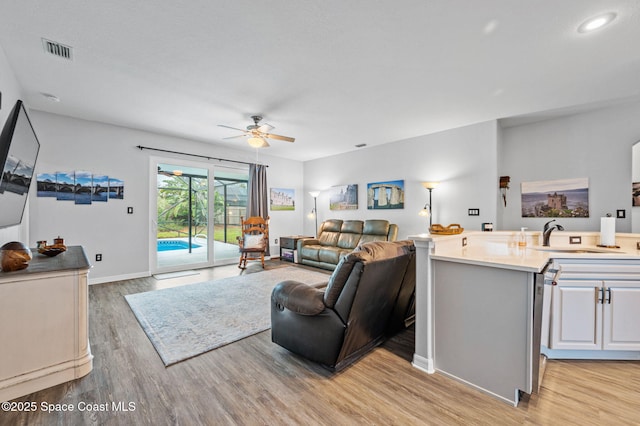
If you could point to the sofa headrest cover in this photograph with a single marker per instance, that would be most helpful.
(376, 227)
(332, 225)
(352, 226)
(378, 250)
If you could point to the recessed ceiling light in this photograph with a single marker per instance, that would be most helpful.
(52, 98)
(596, 23)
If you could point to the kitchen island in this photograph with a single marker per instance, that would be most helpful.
(479, 306)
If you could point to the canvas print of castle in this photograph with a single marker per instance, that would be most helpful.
(282, 199)
(556, 198)
(343, 197)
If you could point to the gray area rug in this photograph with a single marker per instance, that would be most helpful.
(186, 321)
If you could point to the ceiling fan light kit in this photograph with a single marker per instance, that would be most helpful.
(257, 142)
(258, 133)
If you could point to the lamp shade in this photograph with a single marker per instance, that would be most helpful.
(430, 185)
(314, 194)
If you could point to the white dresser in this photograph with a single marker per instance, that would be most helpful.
(44, 338)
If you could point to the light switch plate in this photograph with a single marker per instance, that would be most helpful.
(474, 212)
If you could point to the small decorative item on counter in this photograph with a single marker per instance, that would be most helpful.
(452, 229)
(53, 250)
(14, 256)
(522, 239)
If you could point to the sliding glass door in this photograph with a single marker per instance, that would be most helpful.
(230, 191)
(195, 214)
(182, 216)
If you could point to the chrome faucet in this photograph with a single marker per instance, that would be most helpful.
(547, 230)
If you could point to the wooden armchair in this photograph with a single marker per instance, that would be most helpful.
(254, 241)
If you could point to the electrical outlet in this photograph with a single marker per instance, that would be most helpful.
(99, 257)
(275, 241)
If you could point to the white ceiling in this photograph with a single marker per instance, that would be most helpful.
(330, 73)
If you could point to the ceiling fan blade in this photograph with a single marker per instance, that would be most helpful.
(233, 128)
(279, 137)
(265, 128)
(234, 137)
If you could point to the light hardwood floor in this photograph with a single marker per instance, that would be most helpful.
(255, 382)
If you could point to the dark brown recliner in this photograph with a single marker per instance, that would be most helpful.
(370, 296)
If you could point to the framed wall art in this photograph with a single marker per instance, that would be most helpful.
(82, 187)
(385, 195)
(343, 197)
(281, 199)
(556, 198)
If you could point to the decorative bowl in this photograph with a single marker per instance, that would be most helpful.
(51, 251)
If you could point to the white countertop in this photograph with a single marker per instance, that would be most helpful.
(500, 250)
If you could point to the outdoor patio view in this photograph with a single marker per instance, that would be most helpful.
(183, 215)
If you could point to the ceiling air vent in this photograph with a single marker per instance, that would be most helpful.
(57, 49)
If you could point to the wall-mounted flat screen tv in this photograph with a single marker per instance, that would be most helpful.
(19, 148)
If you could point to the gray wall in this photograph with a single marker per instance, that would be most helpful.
(69, 144)
(596, 145)
(462, 159)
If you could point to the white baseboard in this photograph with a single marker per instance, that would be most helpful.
(102, 280)
(424, 364)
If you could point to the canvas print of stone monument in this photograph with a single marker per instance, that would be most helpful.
(556, 198)
(385, 195)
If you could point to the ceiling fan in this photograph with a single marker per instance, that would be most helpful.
(258, 133)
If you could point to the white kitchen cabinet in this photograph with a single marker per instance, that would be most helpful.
(576, 315)
(621, 316)
(596, 315)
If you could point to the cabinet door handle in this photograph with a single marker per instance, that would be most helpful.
(599, 294)
(609, 294)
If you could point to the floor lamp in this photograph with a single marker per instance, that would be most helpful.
(314, 212)
(428, 209)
